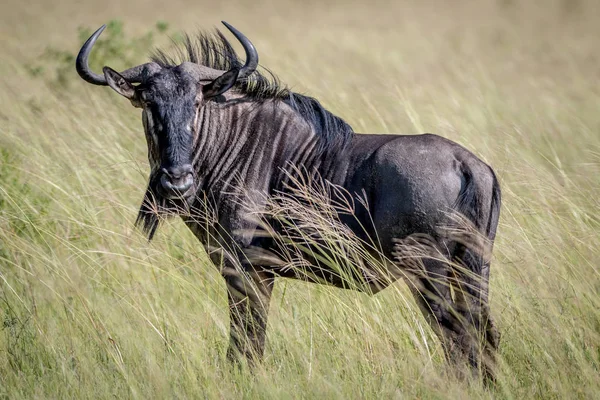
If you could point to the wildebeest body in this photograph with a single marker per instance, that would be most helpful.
(219, 141)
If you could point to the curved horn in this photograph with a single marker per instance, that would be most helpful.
(251, 53)
(132, 75)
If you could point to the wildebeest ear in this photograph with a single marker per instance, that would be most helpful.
(221, 84)
(118, 83)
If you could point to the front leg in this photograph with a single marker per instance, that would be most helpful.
(248, 292)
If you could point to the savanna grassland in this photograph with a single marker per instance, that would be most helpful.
(90, 309)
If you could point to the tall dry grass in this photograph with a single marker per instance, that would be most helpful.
(90, 309)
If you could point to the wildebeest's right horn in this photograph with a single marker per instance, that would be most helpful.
(133, 75)
(251, 53)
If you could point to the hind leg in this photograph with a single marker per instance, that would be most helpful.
(471, 294)
(431, 286)
(453, 298)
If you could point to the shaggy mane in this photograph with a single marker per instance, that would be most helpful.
(214, 51)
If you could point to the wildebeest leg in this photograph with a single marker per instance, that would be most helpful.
(471, 279)
(430, 285)
(248, 293)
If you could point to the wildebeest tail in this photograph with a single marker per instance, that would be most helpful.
(472, 257)
(482, 211)
(494, 209)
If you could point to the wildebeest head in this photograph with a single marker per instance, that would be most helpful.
(171, 99)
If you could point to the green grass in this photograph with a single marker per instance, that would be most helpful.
(90, 309)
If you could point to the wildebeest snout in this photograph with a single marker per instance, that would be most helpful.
(177, 181)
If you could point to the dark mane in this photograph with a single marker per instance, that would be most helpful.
(215, 51)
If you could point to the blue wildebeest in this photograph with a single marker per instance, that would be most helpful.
(212, 122)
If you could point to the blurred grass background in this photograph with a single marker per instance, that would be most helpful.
(89, 309)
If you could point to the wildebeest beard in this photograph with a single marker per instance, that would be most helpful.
(156, 207)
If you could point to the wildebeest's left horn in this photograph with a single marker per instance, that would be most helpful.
(133, 75)
(251, 53)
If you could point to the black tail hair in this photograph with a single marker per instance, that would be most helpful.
(470, 205)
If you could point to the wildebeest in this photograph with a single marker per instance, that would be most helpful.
(213, 124)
